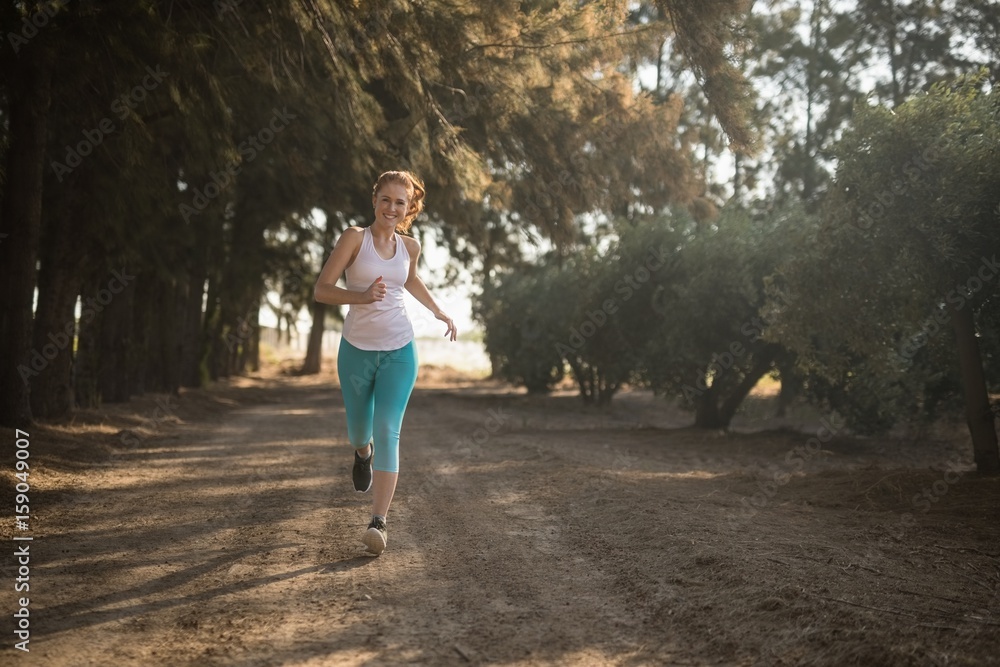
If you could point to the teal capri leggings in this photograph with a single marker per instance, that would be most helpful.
(376, 387)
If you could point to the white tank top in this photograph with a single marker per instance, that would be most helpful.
(382, 325)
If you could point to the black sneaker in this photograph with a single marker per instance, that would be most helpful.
(362, 472)
(375, 537)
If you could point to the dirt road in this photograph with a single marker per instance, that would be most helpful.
(222, 529)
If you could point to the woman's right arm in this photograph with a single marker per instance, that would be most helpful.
(326, 289)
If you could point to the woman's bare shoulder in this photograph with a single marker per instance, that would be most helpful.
(352, 236)
(412, 245)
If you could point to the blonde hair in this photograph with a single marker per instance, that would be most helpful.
(414, 190)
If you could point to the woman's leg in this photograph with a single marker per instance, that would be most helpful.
(394, 380)
(356, 371)
(383, 489)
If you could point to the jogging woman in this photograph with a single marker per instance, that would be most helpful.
(377, 361)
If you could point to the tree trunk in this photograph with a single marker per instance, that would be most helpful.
(977, 400)
(29, 100)
(115, 344)
(170, 379)
(248, 334)
(314, 352)
(55, 329)
(791, 385)
(253, 353)
(191, 291)
(241, 285)
(156, 336)
(761, 365)
(578, 370)
(87, 360)
(66, 219)
(706, 414)
(587, 381)
(210, 363)
(607, 392)
(737, 175)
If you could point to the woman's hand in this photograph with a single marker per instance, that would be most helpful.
(452, 331)
(375, 291)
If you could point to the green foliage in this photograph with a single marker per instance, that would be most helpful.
(523, 315)
(812, 62)
(527, 119)
(520, 114)
(910, 222)
(707, 34)
(908, 236)
(705, 341)
(668, 304)
(577, 311)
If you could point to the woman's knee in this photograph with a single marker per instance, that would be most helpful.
(386, 457)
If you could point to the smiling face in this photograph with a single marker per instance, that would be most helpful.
(391, 203)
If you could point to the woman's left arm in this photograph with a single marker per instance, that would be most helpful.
(415, 286)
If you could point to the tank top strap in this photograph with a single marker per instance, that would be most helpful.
(367, 242)
(401, 250)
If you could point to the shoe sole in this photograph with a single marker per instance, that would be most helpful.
(374, 540)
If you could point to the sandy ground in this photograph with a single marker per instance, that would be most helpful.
(221, 528)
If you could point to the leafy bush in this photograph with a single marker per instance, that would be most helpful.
(668, 304)
(521, 327)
